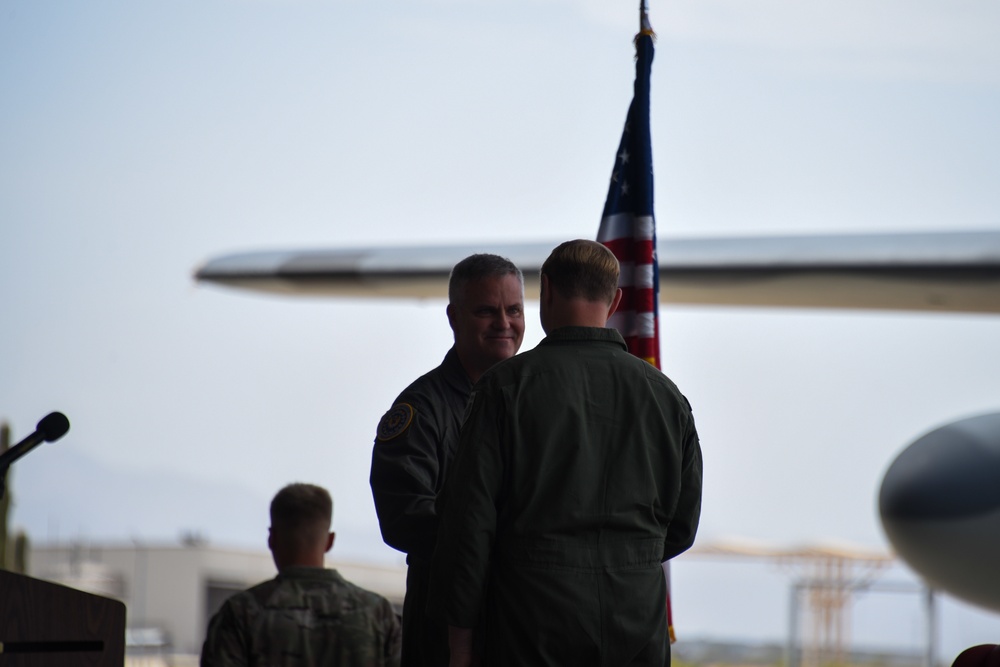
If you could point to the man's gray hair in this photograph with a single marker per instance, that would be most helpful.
(477, 267)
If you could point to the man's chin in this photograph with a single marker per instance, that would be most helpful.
(501, 350)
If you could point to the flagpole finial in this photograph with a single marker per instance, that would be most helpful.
(644, 27)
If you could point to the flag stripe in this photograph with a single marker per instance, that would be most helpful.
(627, 226)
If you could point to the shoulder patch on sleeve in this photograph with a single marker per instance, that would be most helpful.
(395, 421)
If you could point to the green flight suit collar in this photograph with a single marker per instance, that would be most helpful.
(584, 334)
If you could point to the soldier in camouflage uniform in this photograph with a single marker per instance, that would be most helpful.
(308, 615)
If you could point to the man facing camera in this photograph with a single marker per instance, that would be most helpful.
(308, 615)
(416, 439)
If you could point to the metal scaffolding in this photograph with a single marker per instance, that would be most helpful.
(827, 578)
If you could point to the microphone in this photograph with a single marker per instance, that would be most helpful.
(52, 427)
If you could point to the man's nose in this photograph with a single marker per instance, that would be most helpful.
(501, 321)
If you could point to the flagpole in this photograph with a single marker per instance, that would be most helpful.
(644, 27)
(628, 228)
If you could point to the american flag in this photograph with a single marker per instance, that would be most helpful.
(627, 224)
(628, 228)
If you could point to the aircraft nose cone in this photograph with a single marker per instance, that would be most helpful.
(940, 508)
(951, 472)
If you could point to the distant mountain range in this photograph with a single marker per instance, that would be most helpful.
(72, 497)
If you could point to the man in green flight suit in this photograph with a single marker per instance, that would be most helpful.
(417, 438)
(578, 473)
(307, 616)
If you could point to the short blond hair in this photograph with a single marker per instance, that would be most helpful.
(583, 269)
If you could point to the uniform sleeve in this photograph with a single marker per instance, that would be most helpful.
(226, 641)
(405, 477)
(468, 518)
(393, 637)
(684, 525)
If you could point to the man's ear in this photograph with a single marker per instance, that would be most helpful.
(329, 542)
(450, 312)
(270, 539)
(614, 302)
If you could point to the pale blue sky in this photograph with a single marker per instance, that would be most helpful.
(139, 138)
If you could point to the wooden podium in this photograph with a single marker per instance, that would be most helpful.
(47, 625)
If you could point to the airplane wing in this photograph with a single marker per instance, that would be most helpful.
(934, 271)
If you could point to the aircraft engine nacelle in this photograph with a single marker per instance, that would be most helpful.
(940, 508)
